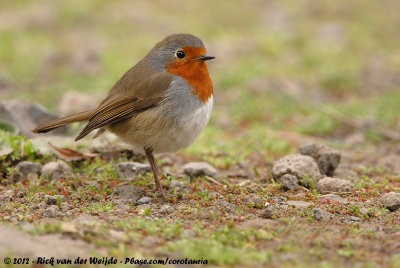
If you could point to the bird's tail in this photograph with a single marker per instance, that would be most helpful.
(49, 126)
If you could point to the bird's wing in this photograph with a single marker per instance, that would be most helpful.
(123, 105)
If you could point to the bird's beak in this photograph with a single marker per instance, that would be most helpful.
(205, 57)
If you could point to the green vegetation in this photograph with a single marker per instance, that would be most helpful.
(286, 72)
(273, 64)
(17, 147)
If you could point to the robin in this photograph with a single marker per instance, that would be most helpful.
(159, 105)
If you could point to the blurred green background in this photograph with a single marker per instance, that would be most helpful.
(279, 64)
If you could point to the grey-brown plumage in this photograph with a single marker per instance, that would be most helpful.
(154, 106)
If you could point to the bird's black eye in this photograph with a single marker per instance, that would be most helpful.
(180, 54)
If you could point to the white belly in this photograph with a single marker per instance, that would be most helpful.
(189, 126)
(167, 131)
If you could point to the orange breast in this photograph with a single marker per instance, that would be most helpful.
(195, 72)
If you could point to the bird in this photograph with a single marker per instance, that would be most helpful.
(160, 105)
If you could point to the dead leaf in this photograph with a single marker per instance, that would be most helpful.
(69, 154)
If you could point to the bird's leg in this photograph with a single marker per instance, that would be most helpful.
(149, 154)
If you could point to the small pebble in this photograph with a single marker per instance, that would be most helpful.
(56, 170)
(26, 167)
(301, 166)
(289, 182)
(327, 158)
(391, 201)
(196, 169)
(165, 209)
(143, 200)
(267, 213)
(299, 204)
(328, 185)
(50, 212)
(355, 219)
(132, 169)
(320, 214)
